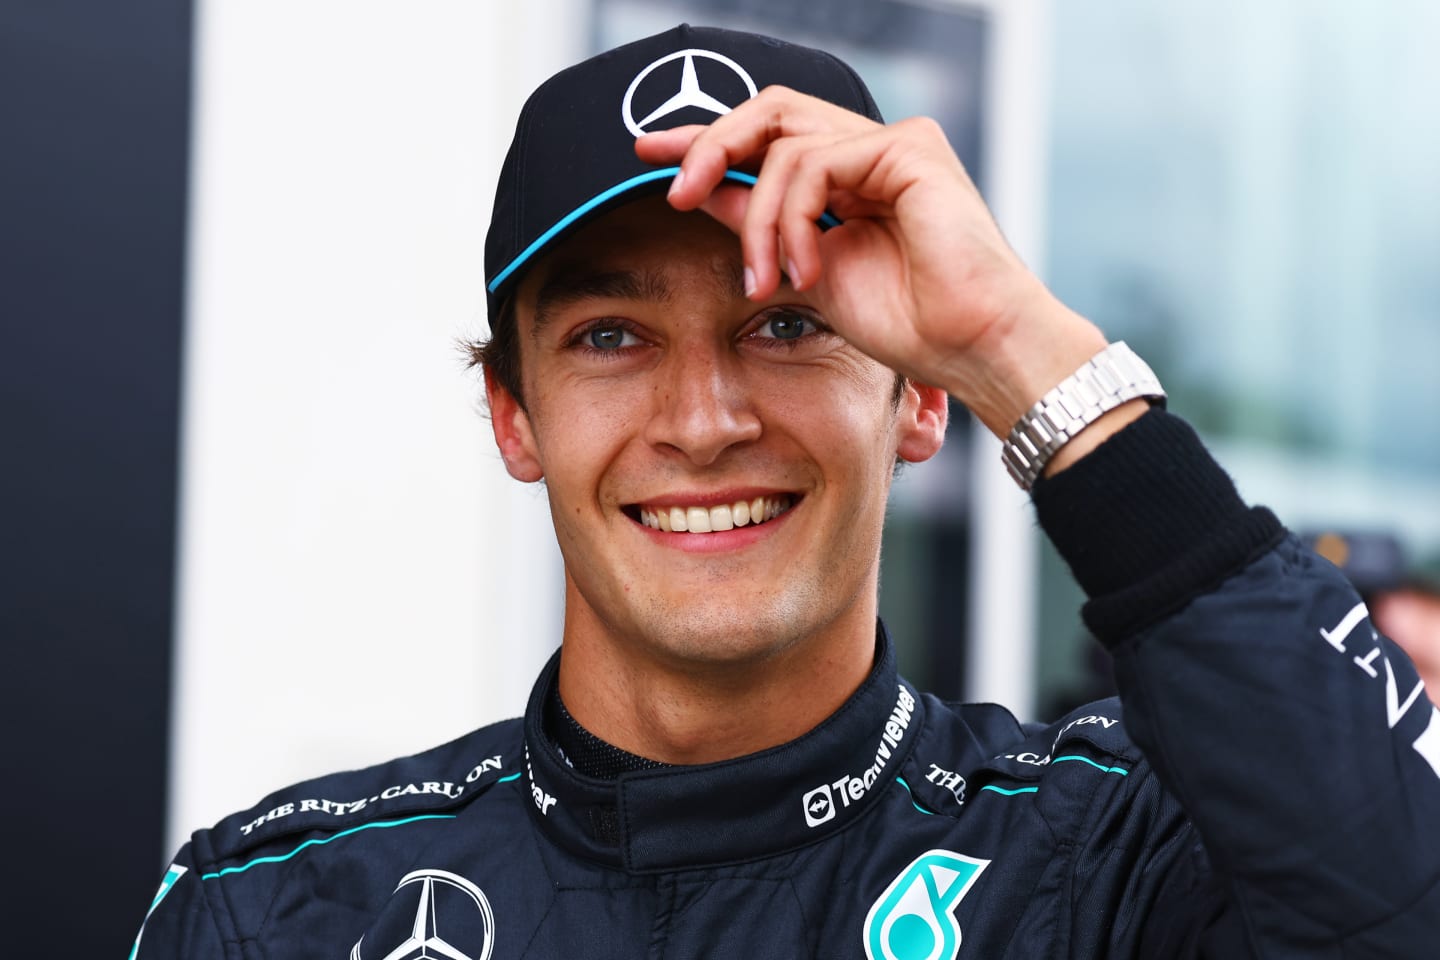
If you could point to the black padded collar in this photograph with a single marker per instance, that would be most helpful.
(736, 810)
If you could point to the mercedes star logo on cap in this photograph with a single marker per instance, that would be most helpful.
(690, 93)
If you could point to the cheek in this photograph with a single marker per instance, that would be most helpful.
(578, 435)
(848, 427)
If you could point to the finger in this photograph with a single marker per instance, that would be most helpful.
(767, 237)
(743, 135)
(759, 239)
(669, 147)
(666, 147)
(797, 184)
(727, 204)
(803, 203)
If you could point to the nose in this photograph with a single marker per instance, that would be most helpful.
(701, 406)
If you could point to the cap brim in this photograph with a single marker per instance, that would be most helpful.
(652, 181)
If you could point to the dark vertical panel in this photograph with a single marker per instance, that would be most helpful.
(94, 100)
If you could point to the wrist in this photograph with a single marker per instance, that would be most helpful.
(1110, 423)
(1101, 397)
(1020, 358)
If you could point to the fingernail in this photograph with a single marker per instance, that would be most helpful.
(678, 183)
(790, 272)
(749, 282)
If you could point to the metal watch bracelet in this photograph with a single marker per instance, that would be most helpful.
(1108, 379)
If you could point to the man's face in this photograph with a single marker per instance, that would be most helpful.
(1411, 618)
(658, 396)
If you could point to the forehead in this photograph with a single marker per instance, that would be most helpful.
(643, 250)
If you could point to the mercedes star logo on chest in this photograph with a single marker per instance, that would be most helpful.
(452, 920)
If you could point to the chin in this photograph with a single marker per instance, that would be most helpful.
(734, 635)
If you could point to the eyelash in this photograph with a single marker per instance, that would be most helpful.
(579, 340)
(783, 343)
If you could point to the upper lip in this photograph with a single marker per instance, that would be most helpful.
(714, 498)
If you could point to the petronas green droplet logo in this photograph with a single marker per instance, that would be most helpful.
(912, 919)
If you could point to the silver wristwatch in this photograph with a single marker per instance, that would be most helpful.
(1108, 379)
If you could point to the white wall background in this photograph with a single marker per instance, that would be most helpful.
(1000, 666)
(359, 577)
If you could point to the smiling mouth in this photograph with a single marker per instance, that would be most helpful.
(716, 519)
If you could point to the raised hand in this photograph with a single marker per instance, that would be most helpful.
(919, 275)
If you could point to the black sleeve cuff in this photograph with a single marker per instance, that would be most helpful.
(1147, 521)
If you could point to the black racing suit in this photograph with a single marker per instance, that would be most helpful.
(1273, 791)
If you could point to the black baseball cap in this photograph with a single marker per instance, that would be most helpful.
(1375, 561)
(573, 155)
(1372, 560)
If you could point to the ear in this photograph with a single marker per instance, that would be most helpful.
(513, 434)
(924, 412)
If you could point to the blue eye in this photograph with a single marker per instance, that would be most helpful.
(786, 325)
(610, 338)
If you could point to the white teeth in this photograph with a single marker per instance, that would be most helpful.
(698, 519)
(726, 516)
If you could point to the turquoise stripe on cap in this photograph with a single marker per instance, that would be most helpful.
(826, 220)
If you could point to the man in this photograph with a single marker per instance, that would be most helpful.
(715, 375)
(1402, 595)
(1409, 613)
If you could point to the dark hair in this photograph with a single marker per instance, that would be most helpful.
(500, 355)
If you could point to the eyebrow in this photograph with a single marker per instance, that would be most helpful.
(571, 285)
(568, 286)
